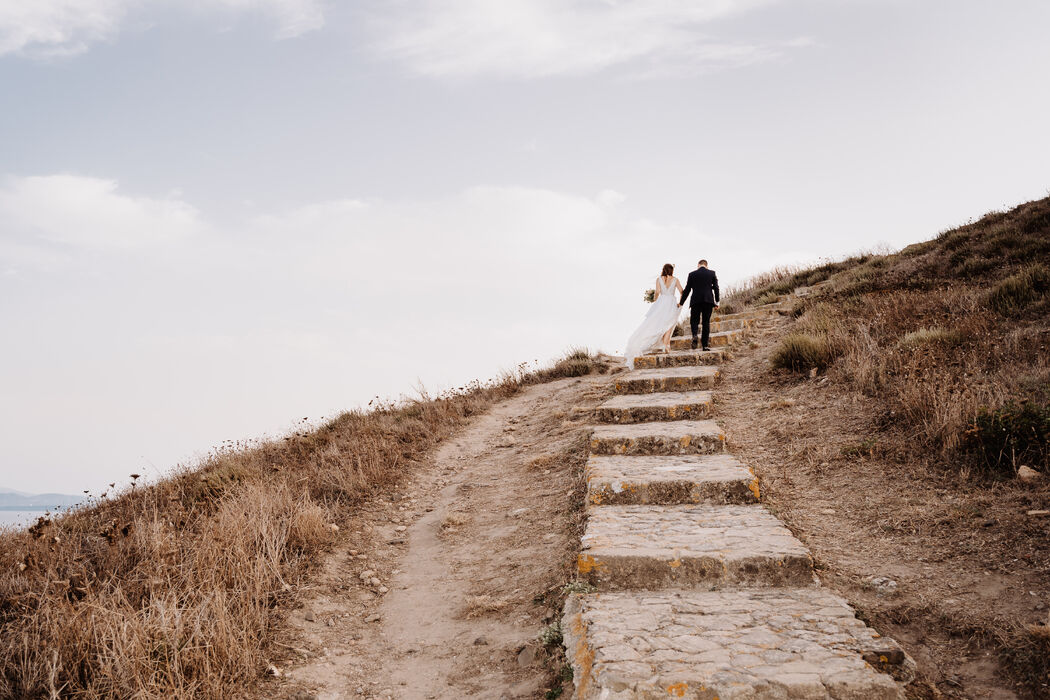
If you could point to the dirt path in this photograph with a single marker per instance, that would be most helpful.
(445, 584)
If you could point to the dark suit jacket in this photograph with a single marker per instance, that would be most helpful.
(704, 285)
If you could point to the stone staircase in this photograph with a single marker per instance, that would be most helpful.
(700, 591)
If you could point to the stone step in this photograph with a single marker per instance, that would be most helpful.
(680, 358)
(638, 408)
(745, 644)
(719, 325)
(647, 381)
(695, 546)
(678, 437)
(813, 289)
(750, 315)
(718, 340)
(719, 479)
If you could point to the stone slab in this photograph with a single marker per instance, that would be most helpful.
(749, 315)
(745, 644)
(730, 324)
(679, 358)
(679, 437)
(716, 479)
(718, 340)
(642, 381)
(657, 547)
(637, 408)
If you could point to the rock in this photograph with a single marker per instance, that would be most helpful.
(813, 373)
(333, 527)
(1027, 474)
(272, 670)
(481, 641)
(309, 616)
(366, 574)
(400, 528)
(1039, 513)
(527, 656)
(374, 581)
(881, 584)
(382, 589)
(375, 617)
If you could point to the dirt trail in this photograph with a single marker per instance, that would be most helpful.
(445, 584)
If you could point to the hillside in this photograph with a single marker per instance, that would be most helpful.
(889, 414)
(178, 589)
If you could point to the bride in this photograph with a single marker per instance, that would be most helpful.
(660, 320)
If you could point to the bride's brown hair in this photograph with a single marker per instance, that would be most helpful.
(668, 270)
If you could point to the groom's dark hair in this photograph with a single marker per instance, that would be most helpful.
(667, 271)
(702, 262)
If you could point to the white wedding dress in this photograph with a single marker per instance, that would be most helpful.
(662, 315)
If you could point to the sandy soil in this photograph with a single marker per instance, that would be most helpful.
(445, 584)
(961, 558)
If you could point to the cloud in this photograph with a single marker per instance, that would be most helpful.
(63, 27)
(87, 213)
(537, 38)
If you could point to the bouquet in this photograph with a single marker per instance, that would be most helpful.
(650, 295)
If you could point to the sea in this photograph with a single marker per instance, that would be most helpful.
(19, 518)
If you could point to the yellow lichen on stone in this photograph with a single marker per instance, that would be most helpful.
(585, 564)
(675, 563)
(754, 487)
(677, 690)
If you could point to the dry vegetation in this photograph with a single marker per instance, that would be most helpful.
(174, 589)
(942, 352)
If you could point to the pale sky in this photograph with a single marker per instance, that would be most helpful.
(218, 217)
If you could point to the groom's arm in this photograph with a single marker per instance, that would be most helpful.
(688, 288)
(714, 286)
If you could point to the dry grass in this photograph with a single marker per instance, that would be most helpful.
(949, 340)
(173, 590)
(481, 605)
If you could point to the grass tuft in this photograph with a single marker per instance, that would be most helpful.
(1010, 436)
(1014, 294)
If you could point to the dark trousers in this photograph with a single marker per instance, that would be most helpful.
(697, 313)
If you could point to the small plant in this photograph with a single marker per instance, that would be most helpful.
(550, 636)
(650, 295)
(930, 336)
(800, 352)
(581, 587)
(864, 448)
(1007, 437)
(767, 298)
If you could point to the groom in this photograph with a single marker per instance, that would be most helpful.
(704, 283)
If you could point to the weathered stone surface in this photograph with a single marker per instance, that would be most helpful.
(718, 340)
(643, 381)
(744, 644)
(679, 358)
(654, 547)
(716, 479)
(636, 408)
(730, 324)
(750, 315)
(678, 437)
